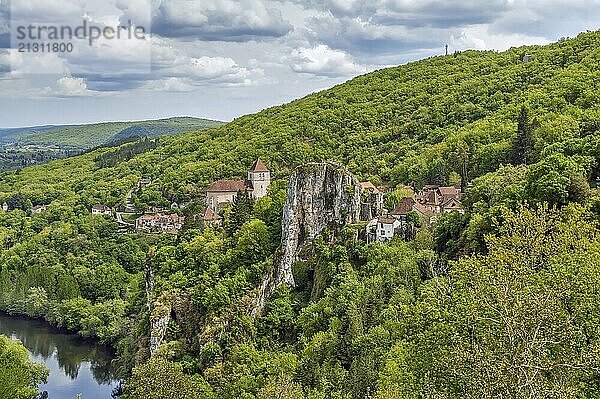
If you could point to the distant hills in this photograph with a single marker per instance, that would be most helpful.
(38, 144)
(92, 135)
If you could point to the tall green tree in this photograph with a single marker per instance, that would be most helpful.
(522, 321)
(160, 379)
(19, 376)
(523, 142)
(241, 212)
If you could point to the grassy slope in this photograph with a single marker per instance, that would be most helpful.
(400, 124)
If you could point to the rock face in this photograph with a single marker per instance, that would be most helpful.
(160, 311)
(159, 320)
(157, 332)
(319, 196)
(156, 326)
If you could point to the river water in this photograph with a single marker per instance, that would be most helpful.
(77, 366)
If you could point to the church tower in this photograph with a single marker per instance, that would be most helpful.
(260, 177)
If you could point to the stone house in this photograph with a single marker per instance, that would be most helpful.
(259, 177)
(404, 207)
(439, 200)
(408, 205)
(372, 201)
(143, 183)
(159, 223)
(382, 229)
(452, 204)
(224, 191)
(211, 218)
(101, 210)
(38, 209)
(426, 215)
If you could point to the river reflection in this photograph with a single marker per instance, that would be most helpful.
(77, 366)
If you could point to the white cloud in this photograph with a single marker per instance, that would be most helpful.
(69, 86)
(363, 37)
(249, 54)
(180, 85)
(69, 12)
(479, 37)
(5, 60)
(551, 19)
(139, 11)
(170, 61)
(22, 64)
(413, 13)
(380, 28)
(117, 57)
(323, 61)
(46, 11)
(216, 67)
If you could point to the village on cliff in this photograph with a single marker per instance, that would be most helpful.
(419, 207)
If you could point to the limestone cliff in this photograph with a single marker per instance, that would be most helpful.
(159, 320)
(319, 196)
(160, 311)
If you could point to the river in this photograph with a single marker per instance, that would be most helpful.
(77, 366)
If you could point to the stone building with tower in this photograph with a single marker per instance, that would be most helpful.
(224, 191)
(259, 177)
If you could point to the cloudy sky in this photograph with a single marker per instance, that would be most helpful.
(222, 58)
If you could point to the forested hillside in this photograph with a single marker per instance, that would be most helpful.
(502, 301)
(34, 145)
(92, 135)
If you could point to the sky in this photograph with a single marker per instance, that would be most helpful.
(221, 59)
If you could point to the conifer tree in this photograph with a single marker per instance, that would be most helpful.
(523, 142)
(241, 212)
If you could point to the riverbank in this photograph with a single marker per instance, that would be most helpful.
(77, 365)
(102, 321)
(56, 329)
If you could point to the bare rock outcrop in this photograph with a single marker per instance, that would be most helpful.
(319, 196)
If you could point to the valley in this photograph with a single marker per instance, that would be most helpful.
(430, 230)
(21, 147)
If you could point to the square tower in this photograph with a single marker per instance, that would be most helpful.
(260, 177)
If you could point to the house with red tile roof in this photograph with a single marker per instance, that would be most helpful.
(439, 200)
(224, 191)
(404, 207)
(211, 218)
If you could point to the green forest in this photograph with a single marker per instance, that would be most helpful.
(21, 147)
(503, 301)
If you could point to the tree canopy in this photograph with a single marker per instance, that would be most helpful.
(19, 376)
